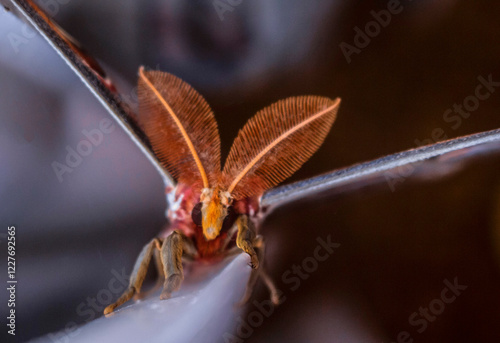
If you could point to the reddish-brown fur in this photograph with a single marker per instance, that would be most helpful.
(180, 219)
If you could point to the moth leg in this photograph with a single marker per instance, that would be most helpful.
(174, 247)
(230, 235)
(137, 276)
(245, 238)
(259, 246)
(161, 276)
(159, 264)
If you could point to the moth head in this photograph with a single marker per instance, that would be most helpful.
(271, 146)
(214, 209)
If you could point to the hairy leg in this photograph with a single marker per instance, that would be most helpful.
(159, 270)
(254, 245)
(245, 238)
(260, 248)
(137, 276)
(173, 249)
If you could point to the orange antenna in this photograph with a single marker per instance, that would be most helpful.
(180, 124)
(276, 142)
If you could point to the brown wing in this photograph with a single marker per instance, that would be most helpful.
(181, 127)
(276, 142)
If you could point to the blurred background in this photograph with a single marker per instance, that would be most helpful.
(406, 80)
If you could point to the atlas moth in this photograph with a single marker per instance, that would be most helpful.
(212, 210)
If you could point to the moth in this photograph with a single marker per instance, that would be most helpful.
(212, 211)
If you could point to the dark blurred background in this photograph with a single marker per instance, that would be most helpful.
(398, 241)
